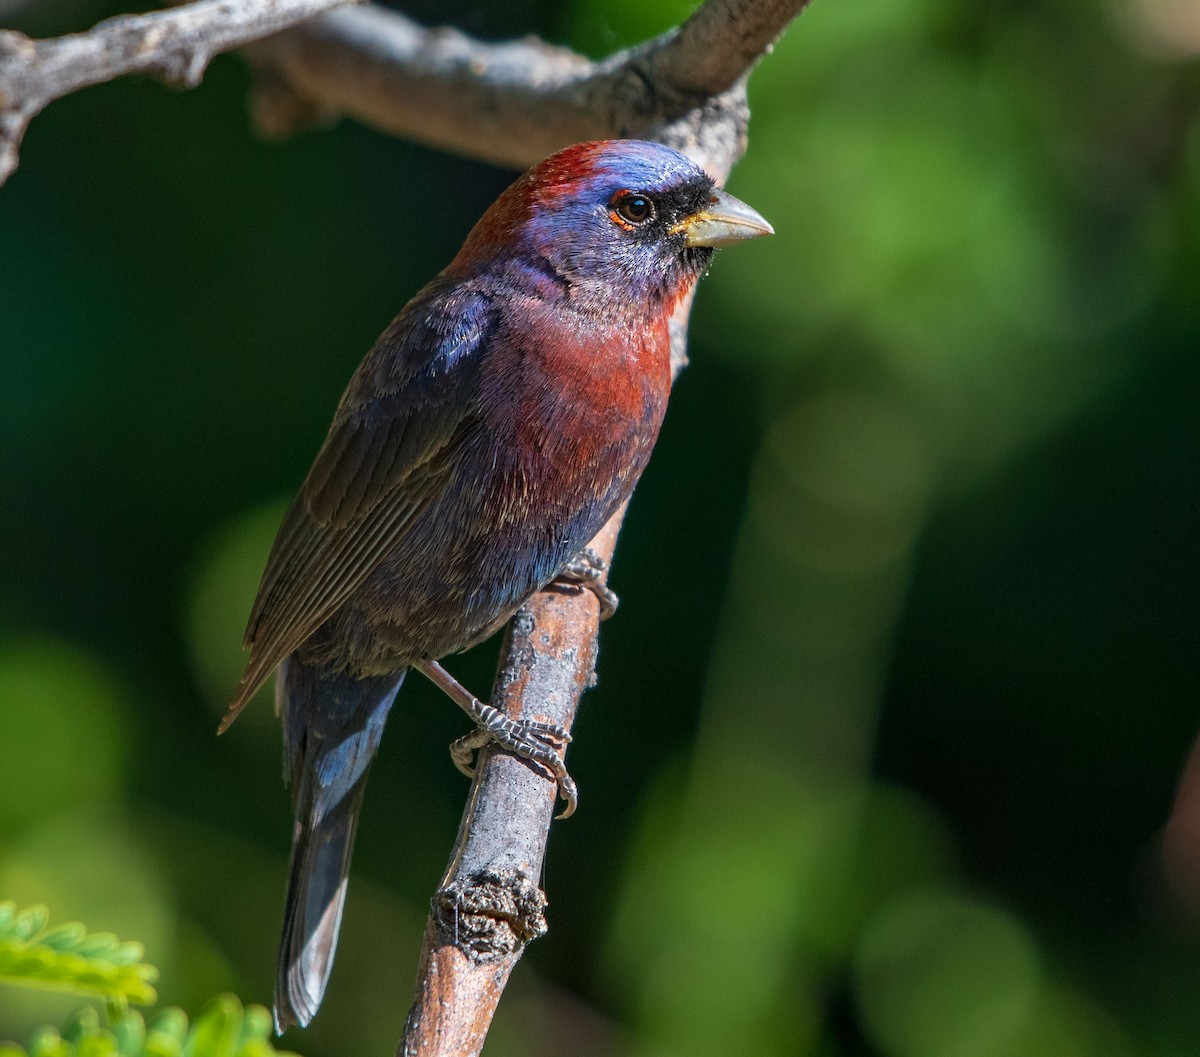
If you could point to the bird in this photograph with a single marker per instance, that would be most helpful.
(493, 428)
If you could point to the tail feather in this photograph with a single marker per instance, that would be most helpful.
(317, 881)
(332, 726)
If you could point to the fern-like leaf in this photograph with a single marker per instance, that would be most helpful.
(69, 958)
(223, 1029)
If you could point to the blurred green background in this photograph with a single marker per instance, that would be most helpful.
(908, 631)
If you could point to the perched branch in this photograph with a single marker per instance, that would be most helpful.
(488, 905)
(175, 46)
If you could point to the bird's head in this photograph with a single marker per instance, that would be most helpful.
(624, 218)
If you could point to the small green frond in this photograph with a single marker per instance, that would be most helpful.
(224, 1028)
(166, 1034)
(22, 924)
(68, 958)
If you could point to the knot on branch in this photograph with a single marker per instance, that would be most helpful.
(182, 67)
(491, 914)
(16, 45)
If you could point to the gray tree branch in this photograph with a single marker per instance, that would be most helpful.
(512, 103)
(175, 46)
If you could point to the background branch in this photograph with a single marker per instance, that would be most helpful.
(175, 46)
(719, 45)
(513, 103)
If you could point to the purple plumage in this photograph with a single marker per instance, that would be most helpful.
(492, 430)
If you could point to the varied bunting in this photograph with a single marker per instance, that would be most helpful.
(494, 427)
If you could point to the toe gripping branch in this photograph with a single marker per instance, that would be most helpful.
(586, 572)
(542, 744)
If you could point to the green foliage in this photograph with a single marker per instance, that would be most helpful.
(223, 1029)
(69, 958)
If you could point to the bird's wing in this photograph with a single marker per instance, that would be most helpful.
(396, 438)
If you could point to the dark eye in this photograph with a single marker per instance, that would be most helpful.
(634, 208)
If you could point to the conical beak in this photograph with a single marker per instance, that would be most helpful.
(723, 221)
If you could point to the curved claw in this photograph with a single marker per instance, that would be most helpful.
(587, 572)
(462, 751)
(569, 792)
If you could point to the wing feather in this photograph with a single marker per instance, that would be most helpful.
(396, 438)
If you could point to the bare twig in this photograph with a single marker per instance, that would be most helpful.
(175, 46)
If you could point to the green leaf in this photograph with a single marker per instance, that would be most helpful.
(224, 1028)
(64, 937)
(30, 921)
(68, 958)
(218, 1028)
(97, 943)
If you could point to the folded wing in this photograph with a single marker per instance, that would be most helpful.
(397, 437)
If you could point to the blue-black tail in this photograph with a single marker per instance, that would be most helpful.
(332, 724)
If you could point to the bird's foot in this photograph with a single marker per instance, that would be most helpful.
(542, 744)
(586, 572)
